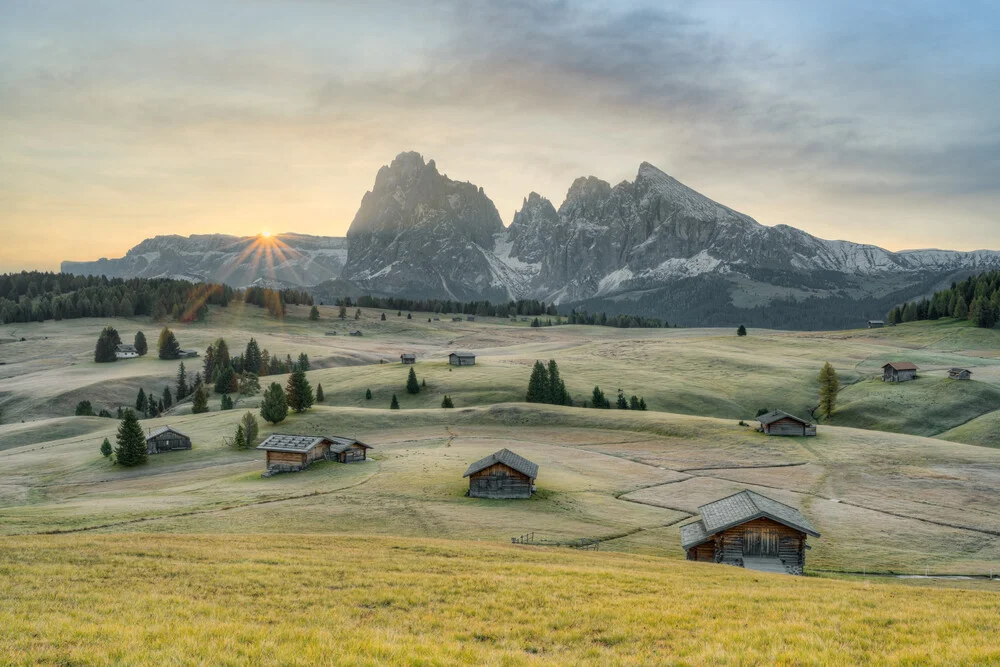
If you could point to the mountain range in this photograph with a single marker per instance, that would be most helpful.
(651, 246)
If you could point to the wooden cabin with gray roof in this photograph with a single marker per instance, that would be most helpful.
(291, 453)
(166, 439)
(749, 530)
(779, 422)
(899, 371)
(502, 475)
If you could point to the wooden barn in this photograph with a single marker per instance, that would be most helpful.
(462, 359)
(502, 475)
(291, 453)
(778, 422)
(876, 324)
(960, 374)
(124, 351)
(408, 358)
(749, 530)
(166, 439)
(899, 371)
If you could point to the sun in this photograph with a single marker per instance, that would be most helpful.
(266, 234)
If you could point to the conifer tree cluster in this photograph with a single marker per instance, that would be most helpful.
(546, 386)
(446, 402)
(167, 345)
(276, 301)
(599, 400)
(977, 298)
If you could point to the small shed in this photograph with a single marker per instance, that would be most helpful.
(876, 324)
(899, 371)
(779, 422)
(348, 450)
(749, 530)
(462, 359)
(408, 358)
(502, 475)
(124, 351)
(291, 453)
(356, 332)
(960, 374)
(166, 439)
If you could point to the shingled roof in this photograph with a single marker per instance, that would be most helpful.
(693, 534)
(777, 415)
(901, 365)
(508, 458)
(291, 443)
(340, 444)
(745, 506)
(462, 354)
(162, 430)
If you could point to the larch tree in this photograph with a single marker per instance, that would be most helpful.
(829, 385)
(250, 428)
(167, 346)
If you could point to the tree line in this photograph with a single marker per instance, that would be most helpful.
(528, 307)
(977, 299)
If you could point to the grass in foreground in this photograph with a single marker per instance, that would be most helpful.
(145, 599)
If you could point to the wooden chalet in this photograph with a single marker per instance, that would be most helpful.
(124, 351)
(462, 359)
(749, 530)
(778, 422)
(408, 358)
(291, 453)
(876, 324)
(960, 374)
(899, 371)
(166, 439)
(502, 475)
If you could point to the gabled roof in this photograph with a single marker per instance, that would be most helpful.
(509, 459)
(693, 534)
(407, 355)
(901, 365)
(291, 443)
(162, 430)
(340, 444)
(125, 347)
(777, 415)
(462, 354)
(876, 321)
(747, 506)
(960, 370)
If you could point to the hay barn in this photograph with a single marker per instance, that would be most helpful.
(462, 359)
(166, 439)
(502, 475)
(778, 422)
(899, 371)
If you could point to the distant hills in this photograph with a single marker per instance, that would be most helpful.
(651, 246)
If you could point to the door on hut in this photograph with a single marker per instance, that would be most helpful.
(761, 541)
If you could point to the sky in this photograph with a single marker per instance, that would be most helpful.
(872, 122)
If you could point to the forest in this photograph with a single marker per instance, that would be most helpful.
(977, 298)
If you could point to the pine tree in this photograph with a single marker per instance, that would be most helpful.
(131, 443)
(412, 386)
(556, 387)
(314, 314)
(446, 402)
(141, 403)
(140, 343)
(409, 316)
(342, 312)
(368, 394)
(298, 391)
(642, 403)
(240, 439)
(633, 403)
(252, 357)
(303, 364)
(621, 403)
(598, 400)
(319, 393)
(225, 380)
(84, 409)
(249, 384)
(182, 386)
(394, 405)
(383, 317)
(250, 428)
(274, 407)
(227, 402)
(106, 448)
(199, 402)
(538, 384)
(107, 343)
(168, 400)
(828, 387)
(167, 345)
(741, 331)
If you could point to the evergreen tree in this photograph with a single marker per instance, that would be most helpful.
(265, 363)
(368, 394)
(538, 384)
(106, 448)
(227, 402)
(621, 403)
(598, 400)
(394, 405)
(131, 443)
(633, 402)
(412, 386)
(342, 312)
(107, 342)
(409, 316)
(182, 386)
(141, 403)
(199, 400)
(168, 400)
(140, 343)
(383, 317)
(250, 428)
(303, 363)
(225, 380)
(298, 391)
(319, 393)
(314, 314)
(84, 409)
(556, 387)
(741, 331)
(252, 357)
(240, 439)
(446, 402)
(828, 387)
(981, 313)
(642, 403)
(167, 345)
(357, 314)
(249, 384)
(274, 407)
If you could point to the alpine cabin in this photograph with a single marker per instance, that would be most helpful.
(166, 439)
(960, 374)
(462, 359)
(124, 351)
(899, 371)
(408, 358)
(876, 324)
(291, 453)
(778, 422)
(749, 530)
(502, 475)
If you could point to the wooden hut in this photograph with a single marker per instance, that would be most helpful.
(125, 351)
(166, 439)
(408, 358)
(356, 332)
(462, 359)
(960, 374)
(749, 530)
(778, 422)
(899, 371)
(502, 475)
(291, 453)
(876, 324)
